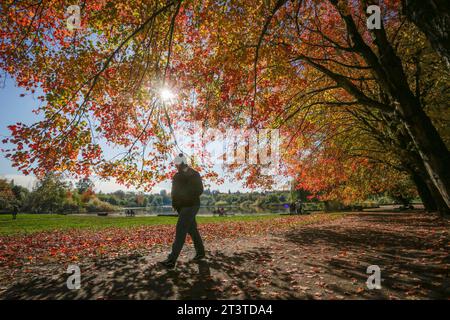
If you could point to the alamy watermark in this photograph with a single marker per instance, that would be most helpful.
(374, 20)
(74, 17)
(374, 280)
(74, 280)
(233, 146)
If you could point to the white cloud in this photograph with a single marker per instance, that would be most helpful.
(21, 180)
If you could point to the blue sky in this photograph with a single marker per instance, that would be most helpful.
(14, 108)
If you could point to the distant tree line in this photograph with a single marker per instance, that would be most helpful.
(52, 194)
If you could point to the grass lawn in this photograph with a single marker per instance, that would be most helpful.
(29, 223)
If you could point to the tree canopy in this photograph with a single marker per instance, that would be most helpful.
(359, 110)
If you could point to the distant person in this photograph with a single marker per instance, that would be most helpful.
(187, 187)
(292, 207)
(14, 212)
(299, 207)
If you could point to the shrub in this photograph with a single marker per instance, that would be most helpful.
(221, 203)
(96, 205)
(71, 206)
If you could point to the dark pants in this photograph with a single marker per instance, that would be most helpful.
(186, 224)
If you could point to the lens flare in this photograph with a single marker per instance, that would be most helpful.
(167, 95)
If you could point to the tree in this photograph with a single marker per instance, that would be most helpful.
(84, 185)
(157, 201)
(48, 195)
(140, 200)
(245, 64)
(432, 17)
(7, 198)
(119, 194)
(349, 66)
(87, 195)
(21, 194)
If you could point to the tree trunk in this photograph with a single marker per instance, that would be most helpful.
(432, 17)
(391, 76)
(429, 144)
(432, 149)
(430, 195)
(441, 206)
(412, 162)
(424, 193)
(426, 186)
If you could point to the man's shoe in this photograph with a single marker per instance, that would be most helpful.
(198, 257)
(168, 263)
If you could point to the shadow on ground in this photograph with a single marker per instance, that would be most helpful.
(411, 250)
(414, 261)
(136, 278)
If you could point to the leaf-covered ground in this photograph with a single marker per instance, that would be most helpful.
(31, 223)
(299, 257)
(22, 253)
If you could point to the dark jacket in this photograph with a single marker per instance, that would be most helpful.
(186, 189)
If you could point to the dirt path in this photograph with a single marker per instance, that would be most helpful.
(318, 261)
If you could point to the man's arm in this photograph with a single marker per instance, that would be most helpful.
(198, 184)
(174, 193)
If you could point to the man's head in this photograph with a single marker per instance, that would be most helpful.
(180, 162)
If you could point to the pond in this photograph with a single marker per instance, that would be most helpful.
(235, 210)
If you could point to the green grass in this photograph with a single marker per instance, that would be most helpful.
(29, 223)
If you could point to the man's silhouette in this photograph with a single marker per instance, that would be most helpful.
(187, 187)
(15, 211)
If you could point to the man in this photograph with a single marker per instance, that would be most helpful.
(187, 187)
(292, 207)
(299, 206)
(15, 211)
